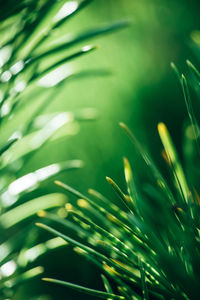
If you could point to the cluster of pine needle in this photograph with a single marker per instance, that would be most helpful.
(149, 247)
(36, 52)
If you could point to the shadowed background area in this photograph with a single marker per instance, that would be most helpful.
(131, 81)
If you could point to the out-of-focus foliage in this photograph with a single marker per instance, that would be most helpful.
(138, 90)
(35, 57)
(147, 248)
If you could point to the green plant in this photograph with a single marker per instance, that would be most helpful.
(34, 66)
(149, 246)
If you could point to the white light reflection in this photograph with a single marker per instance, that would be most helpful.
(17, 67)
(5, 77)
(55, 76)
(44, 173)
(24, 183)
(27, 183)
(5, 109)
(51, 127)
(16, 135)
(8, 268)
(33, 253)
(67, 9)
(7, 199)
(20, 86)
(5, 54)
(87, 48)
(42, 120)
(31, 180)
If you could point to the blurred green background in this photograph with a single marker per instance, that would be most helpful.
(141, 91)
